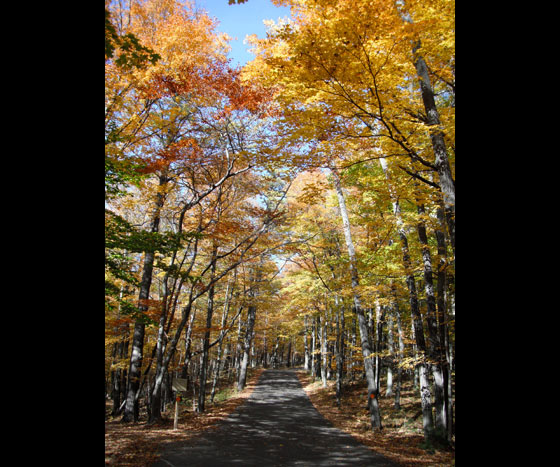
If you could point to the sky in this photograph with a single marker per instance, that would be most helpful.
(240, 20)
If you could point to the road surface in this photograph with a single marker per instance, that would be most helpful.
(276, 426)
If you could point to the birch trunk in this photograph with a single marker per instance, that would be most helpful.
(118, 376)
(317, 348)
(155, 402)
(353, 341)
(313, 345)
(188, 344)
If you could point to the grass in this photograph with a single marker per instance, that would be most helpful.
(224, 394)
(401, 439)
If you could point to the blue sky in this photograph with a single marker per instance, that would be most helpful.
(240, 20)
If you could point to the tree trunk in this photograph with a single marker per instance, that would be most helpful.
(323, 329)
(339, 349)
(248, 338)
(188, 344)
(400, 332)
(390, 345)
(155, 403)
(434, 347)
(274, 359)
(118, 357)
(115, 382)
(307, 358)
(251, 312)
(317, 348)
(289, 358)
(352, 347)
(229, 294)
(238, 347)
(362, 322)
(446, 181)
(265, 343)
(313, 339)
(442, 321)
(131, 412)
(416, 317)
(206, 343)
(377, 339)
(168, 297)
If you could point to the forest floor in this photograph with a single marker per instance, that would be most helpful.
(401, 439)
(137, 444)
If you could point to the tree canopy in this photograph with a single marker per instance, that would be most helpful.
(297, 210)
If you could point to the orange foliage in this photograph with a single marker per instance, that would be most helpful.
(186, 150)
(215, 81)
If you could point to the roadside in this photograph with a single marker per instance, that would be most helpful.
(401, 438)
(276, 427)
(137, 445)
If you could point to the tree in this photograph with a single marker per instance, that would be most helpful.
(296, 202)
(373, 390)
(364, 77)
(346, 70)
(156, 116)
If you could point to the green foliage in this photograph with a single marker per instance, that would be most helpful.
(119, 174)
(113, 299)
(120, 234)
(133, 54)
(224, 394)
(121, 240)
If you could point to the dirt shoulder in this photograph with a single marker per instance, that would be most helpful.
(138, 444)
(401, 438)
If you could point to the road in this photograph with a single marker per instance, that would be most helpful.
(276, 426)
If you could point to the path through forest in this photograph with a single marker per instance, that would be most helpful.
(277, 426)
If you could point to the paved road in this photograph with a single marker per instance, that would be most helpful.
(276, 426)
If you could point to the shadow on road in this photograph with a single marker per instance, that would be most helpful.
(276, 426)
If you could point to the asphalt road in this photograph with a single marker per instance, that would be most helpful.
(276, 426)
